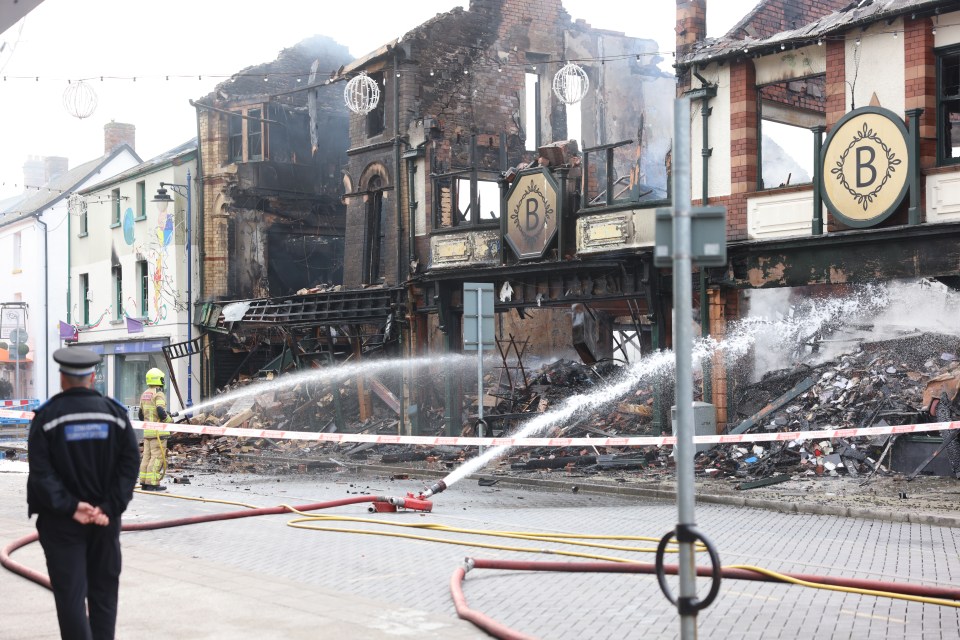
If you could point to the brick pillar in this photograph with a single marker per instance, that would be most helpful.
(691, 23)
(920, 77)
(836, 81)
(717, 300)
(743, 144)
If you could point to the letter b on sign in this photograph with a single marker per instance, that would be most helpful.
(865, 158)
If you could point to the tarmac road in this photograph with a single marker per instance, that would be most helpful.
(257, 577)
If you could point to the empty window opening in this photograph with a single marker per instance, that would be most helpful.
(788, 110)
(531, 120)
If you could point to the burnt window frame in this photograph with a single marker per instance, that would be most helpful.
(375, 227)
(235, 137)
(375, 122)
(257, 137)
(241, 136)
(944, 159)
(759, 133)
(456, 181)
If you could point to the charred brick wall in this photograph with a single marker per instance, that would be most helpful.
(464, 71)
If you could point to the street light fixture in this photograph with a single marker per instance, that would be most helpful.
(163, 201)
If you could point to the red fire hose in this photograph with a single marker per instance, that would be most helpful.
(409, 502)
(498, 630)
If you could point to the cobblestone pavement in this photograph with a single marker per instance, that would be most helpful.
(416, 574)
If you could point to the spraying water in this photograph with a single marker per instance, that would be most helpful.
(656, 365)
(334, 373)
(780, 338)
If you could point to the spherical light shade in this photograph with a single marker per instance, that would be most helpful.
(79, 99)
(571, 84)
(361, 94)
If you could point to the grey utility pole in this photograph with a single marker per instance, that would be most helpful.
(690, 236)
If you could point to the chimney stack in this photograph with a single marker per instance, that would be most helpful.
(691, 24)
(54, 167)
(34, 174)
(118, 133)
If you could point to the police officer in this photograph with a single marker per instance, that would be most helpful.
(83, 466)
(153, 408)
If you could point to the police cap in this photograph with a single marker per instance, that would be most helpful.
(76, 361)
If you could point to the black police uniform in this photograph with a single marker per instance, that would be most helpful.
(81, 448)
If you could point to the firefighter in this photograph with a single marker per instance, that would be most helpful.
(83, 465)
(153, 408)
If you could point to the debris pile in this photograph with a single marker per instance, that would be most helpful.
(881, 383)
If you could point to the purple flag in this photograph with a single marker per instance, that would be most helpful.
(134, 326)
(68, 332)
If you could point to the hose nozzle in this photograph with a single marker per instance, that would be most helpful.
(434, 490)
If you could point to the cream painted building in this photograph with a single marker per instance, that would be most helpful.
(129, 286)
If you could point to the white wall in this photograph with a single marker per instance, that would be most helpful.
(948, 29)
(718, 130)
(876, 66)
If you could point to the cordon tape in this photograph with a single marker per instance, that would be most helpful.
(636, 441)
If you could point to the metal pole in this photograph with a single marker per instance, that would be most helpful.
(480, 364)
(682, 333)
(16, 346)
(189, 294)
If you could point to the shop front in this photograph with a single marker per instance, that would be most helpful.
(123, 371)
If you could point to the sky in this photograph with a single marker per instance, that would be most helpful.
(64, 40)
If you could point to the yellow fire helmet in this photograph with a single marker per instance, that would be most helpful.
(155, 378)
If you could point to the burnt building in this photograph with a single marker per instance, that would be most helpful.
(477, 165)
(271, 217)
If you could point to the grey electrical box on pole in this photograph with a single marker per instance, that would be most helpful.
(708, 237)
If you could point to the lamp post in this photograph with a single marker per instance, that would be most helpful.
(163, 200)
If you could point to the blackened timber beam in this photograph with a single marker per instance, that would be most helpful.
(556, 284)
(367, 306)
(846, 257)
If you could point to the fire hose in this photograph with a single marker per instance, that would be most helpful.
(942, 596)
(379, 503)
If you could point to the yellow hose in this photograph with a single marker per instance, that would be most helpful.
(830, 587)
(559, 538)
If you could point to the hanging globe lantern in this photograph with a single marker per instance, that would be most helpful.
(79, 99)
(571, 83)
(361, 94)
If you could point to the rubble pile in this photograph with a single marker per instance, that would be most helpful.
(880, 383)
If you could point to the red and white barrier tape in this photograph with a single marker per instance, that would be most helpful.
(635, 441)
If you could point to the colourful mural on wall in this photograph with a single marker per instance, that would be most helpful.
(128, 231)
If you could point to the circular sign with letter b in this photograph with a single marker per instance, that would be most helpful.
(865, 166)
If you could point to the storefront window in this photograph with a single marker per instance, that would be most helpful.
(100, 380)
(131, 373)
